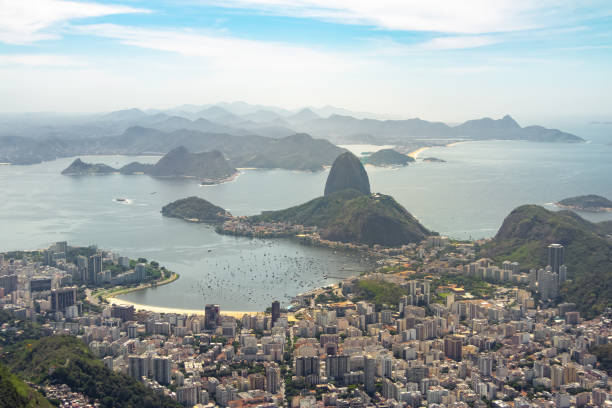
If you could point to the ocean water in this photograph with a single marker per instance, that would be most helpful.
(38, 206)
(469, 196)
(466, 197)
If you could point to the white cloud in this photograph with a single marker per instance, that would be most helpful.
(39, 60)
(458, 42)
(447, 16)
(27, 21)
(222, 52)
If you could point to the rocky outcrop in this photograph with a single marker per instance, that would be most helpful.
(389, 157)
(80, 168)
(347, 172)
(180, 162)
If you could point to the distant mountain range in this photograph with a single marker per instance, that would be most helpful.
(233, 128)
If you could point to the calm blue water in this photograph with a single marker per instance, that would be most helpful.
(468, 196)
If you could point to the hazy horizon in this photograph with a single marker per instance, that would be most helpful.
(434, 60)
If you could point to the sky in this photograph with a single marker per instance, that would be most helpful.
(434, 59)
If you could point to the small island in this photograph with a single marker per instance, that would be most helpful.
(587, 203)
(389, 158)
(195, 209)
(80, 168)
(433, 160)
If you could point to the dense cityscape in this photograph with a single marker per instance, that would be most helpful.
(305, 204)
(432, 325)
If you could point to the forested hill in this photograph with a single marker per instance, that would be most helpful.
(525, 235)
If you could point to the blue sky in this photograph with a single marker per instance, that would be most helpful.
(435, 59)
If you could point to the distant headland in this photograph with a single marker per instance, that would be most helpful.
(588, 203)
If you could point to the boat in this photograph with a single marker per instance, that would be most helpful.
(120, 199)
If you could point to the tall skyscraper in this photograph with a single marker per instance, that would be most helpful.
(452, 347)
(275, 311)
(212, 316)
(94, 266)
(305, 366)
(62, 298)
(562, 273)
(62, 247)
(556, 256)
(485, 365)
(273, 378)
(369, 373)
(161, 369)
(138, 366)
(336, 367)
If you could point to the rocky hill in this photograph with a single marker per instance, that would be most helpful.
(351, 216)
(297, 152)
(347, 172)
(345, 213)
(80, 168)
(389, 157)
(195, 209)
(590, 203)
(181, 163)
(528, 230)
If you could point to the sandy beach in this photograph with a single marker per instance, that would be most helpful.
(415, 153)
(159, 309)
(456, 143)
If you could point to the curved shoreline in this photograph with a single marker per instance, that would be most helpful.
(176, 310)
(114, 292)
(112, 298)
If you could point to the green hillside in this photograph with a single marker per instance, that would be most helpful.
(15, 393)
(195, 208)
(528, 230)
(350, 216)
(605, 227)
(67, 360)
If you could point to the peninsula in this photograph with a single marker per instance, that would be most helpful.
(348, 213)
(587, 203)
(389, 157)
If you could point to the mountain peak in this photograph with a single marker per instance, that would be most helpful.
(509, 121)
(347, 172)
(304, 115)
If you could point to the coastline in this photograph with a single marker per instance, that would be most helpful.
(233, 177)
(110, 294)
(415, 153)
(161, 309)
(112, 299)
(597, 210)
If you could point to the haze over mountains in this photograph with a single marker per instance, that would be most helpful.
(243, 132)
